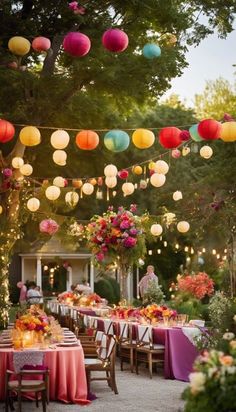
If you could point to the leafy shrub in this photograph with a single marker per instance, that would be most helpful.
(104, 289)
(153, 293)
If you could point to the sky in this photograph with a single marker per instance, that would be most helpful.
(213, 58)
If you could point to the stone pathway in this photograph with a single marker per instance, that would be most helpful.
(136, 394)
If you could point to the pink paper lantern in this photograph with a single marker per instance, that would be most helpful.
(123, 174)
(209, 129)
(170, 137)
(41, 44)
(176, 153)
(76, 44)
(115, 40)
(48, 226)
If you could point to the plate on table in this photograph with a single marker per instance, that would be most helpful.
(66, 329)
(6, 340)
(69, 336)
(69, 341)
(6, 345)
(68, 344)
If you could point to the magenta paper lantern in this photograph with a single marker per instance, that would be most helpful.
(76, 44)
(115, 40)
(209, 129)
(170, 137)
(41, 44)
(123, 174)
(184, 135)
(48, 226)
(7, 131)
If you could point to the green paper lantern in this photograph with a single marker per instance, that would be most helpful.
(116, 140)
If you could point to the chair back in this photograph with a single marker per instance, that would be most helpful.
(106, 348)
(29, 358)
(93, 322)
(108, 327)
(124, 332)
(144, 335)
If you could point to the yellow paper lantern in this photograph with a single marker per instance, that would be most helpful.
(30, 136)
(52, 192)
(183, 226)
(177, 196)
(1, 209)
(128, 188)
(72, 198)
(185, 151)
(110, 171)
(93, 181)
(137, 170)
(87, 188)
(59, 157)
(33, 204)
(26, 170)
(19, 45)
(59, 181)
(77, 183)
(143, 138)
(17, 162)
(161, 167)
(111, 182)
(156, 229)
(228, 132)
(60, 139)
(157, 179)
(206, 152)
(151, 165)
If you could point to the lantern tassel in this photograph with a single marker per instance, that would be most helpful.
(108, 197)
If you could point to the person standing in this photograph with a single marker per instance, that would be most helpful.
(23, 293)
(33, 295)
(144, 282)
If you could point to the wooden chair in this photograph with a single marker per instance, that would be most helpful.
(127, 345)
(146, 350)
(105, 362)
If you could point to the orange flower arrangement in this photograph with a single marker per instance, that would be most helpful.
(29, 322)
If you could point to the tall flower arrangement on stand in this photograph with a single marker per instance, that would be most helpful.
(117, 238)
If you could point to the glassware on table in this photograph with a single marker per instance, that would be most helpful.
(182, 319)
(166, 320)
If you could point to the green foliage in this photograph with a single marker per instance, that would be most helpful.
(221, 312)
(116, 288)
(192, 307)
(153, 293)
(104, 289)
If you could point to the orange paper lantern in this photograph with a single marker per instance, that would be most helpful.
(87, 140)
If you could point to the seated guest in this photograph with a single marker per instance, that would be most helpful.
(83, 288)
(33, 296)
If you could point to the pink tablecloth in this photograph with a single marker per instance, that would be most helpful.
(67, 373)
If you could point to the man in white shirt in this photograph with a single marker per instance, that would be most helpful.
(33, 295)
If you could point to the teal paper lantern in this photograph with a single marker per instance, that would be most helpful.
(194, 133)
(116, 140)
(151, 51)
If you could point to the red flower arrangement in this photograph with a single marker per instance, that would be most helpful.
(199, 285)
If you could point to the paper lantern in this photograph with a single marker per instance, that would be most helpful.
(110, 171)
(184, 135)
(123, 174)
(177, 196)
(111, 182)
(87, 188)
(59, 157)
(7, 131)
(116, 140)
(100, 181)
(151, 165)
(143, 184)
(76, 44)
(176, 153)
(93, 181)
(151, 51)
(194, 133)
(137, 170)
(1, 209)
(209, 129)
(77, 183)
(41, 44)
(115, 40)
(48, 226)
(30, 136)
(33, 204)
(170, 137)
(206, 152)
(60, 139)
(143, 138)
(183, 227)
(52, 192)
(72, 198)
(59, 181)
(228, 132)
(26, 170)
(157, 179)
(161, 167)
(17, 162)
(128, 188)
(185, 151)
(87, 140)
(19, 45)
(170, 39)
(156, 229)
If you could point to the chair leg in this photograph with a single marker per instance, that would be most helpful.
(37, 399)
(19, 401)
(113, 381)
(150, 364)
(43, 394)
(136, 363)
(131, 360)
(108, 379)
(88, 377)
(6, 401)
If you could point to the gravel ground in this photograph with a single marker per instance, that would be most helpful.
(136, 394)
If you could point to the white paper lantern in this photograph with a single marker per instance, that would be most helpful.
(183, 226)
(1, 209)
(52, 192)
(111, 182)
(60, 139)
(110, 171)
(186, 151)
(87, 188)
(72, 198)
(17, 162)
(157, 179)
(128, 188)
(177, 196)
(59, 157)
(26, 170)
(206, 152)
(59, 181)
(33, 204)
(161, 167)
(156, 229)
(143, 184)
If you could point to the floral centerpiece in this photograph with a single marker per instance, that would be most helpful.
(31, 327)
(157, 313)
(117, 238)
(69, 298)
(90, 300)
(29, 322)
(125, 312)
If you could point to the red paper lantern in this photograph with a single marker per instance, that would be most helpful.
(87, 140)
(123, 174)
(209, 129)
(115, 40)
(41, 44)
(170, 137)
(76, 44)
(7, 131)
